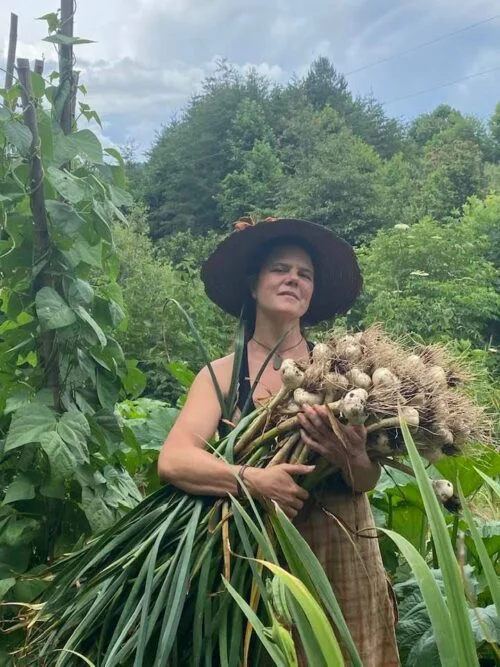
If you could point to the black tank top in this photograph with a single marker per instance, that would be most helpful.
(244, 380)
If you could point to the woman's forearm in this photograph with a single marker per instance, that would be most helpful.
(197, 471)
(362, 474)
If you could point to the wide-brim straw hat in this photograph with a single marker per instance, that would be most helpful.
(337, 281)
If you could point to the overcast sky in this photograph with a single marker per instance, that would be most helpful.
(151, 55)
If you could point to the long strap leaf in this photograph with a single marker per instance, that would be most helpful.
(463, 637)
(225, 408)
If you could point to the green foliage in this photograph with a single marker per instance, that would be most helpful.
(336, 180)
(156, 334)
(433, 279)
(62, 369)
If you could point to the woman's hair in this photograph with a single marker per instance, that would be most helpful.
(254, 267)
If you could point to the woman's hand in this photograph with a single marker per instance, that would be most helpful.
(350, 455)
(277, 483)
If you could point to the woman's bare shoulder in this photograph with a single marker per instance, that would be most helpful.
(223, 369)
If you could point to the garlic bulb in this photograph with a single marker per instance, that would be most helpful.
(354, 406)
(301, 396)
(410, 415)
(359, 379)
(383, 376)
(443, 489)
(291, 375)
(437, 375)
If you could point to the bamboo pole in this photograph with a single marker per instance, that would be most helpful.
(39, 66)
(67, 84)
(11, 54)
(41, 241)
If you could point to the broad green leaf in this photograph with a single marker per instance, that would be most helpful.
(65, 40)
(65, 184)
(120, 197)
(19, 532)
(46, 137)
(487, 461)
(62, 462)
(19, 135)
(37, 84)
(135, 380)
(52, 19)
(84, 252)
(52, 309)
(80, 293)
(28, 425)
(74, 429)
(107, 390)
(181, 372)
(21, 488)
(461, 628)
(66, 225)
(83, 143)
(85, 316)
(5, 586)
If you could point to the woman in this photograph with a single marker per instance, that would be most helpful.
(283, 274)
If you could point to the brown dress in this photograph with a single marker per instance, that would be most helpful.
(339, 527)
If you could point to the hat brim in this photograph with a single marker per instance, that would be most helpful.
(338, 279)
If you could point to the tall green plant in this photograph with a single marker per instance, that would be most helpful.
(61, 368)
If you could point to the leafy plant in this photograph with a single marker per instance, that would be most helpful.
(62, 369)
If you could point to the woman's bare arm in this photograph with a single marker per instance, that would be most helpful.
(184, 463)
(182, 460)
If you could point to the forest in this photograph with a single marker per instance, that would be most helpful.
(102, 310)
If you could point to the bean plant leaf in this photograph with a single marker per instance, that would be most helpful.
(62, 462)
(65, 40)
(52, 309)
(82, 143)
(66, 185)
(21, 488)
(28, 425)
(80, 293)
(5, 586)
(74, 429)
(18, 135)
(86, 317)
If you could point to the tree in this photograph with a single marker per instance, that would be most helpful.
(191, 156)
(453, 171)
(445, 119)
(432, 279)
(336, 179)
(494, 128)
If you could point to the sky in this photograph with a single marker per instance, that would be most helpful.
(150, 56)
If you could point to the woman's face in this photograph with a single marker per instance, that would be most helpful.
(285, 283)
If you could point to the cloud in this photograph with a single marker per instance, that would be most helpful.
(151, 56)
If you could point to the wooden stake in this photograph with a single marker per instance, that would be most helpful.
(39, 66)
(11, 54)
(67, 84)
(41, 242)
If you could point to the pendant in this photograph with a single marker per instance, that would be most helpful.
(277, 361)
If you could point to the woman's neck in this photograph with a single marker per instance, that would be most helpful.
(268, 332)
